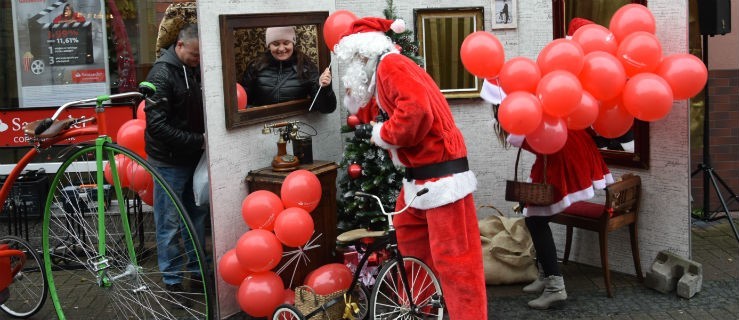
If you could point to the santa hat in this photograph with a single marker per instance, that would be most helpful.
(279, 33)
(373, 24)
(576, 23)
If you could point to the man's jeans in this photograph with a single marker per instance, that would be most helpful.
(169, 227)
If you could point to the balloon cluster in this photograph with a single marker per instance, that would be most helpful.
(273, 221)
(602, 78)
(132, 175)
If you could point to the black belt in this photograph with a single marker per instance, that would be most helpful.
(437, 170)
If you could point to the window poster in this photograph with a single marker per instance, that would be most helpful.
(61, 51)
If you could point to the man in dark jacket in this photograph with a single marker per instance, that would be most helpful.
(174, 143)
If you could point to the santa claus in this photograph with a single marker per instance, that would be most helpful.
(419, 132)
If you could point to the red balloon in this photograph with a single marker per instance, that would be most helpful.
(585, 113)
(294, 227)
(602, 75)
(258, 250)
(520, 113)
(301, 189)
(549, 137)
(329, 278)
(613, 122)
(639, 52)
(260, 208)
(289, 297)
(139, 179)
(121, 164)
(336, 25)
(147, 195)
(260, 293)
(131, 136)
(230, 269)
(560, 93)
(594, 37)
(647, 97)
(560, 54)
(140, 114)
(686, 74)
(519, 74)
(631, 18)
(482, 54)
(240, 97)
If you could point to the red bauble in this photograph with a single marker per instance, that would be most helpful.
(352, 121)
(354, 171)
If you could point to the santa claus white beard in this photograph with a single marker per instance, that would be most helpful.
(358, 79)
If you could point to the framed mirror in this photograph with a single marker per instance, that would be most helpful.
(632, 149)
(243, 40)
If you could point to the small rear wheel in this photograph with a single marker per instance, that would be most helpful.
(287, 312)
(28, 288)
(389, 299)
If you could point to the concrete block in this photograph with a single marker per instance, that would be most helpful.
(691, 282)
(670, 271)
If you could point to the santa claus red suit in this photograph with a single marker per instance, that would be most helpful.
(420, 134)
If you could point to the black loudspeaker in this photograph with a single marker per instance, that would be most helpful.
(714, 17)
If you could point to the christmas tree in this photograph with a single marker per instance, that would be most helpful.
(406, 40)
(367, 168)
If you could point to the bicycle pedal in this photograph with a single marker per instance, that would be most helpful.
(99, 263)
(437, 301)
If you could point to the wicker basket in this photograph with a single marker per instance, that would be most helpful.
(307, 301)
(536, 194)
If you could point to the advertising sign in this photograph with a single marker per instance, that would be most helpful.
(13, 121)
(61, 51)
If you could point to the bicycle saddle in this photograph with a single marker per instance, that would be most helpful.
(56, 127)
(357, 234)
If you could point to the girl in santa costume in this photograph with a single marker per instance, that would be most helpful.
(420, 134)
(574, 171)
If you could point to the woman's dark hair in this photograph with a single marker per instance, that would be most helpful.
(500, 133)
(300, 59)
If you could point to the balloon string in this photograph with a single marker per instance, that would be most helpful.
(299, 255)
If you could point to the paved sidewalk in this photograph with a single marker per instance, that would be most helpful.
(713, 244)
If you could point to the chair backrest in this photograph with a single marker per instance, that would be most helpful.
(623, 196)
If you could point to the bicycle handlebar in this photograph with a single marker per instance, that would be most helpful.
(146, 89)
(382, 208)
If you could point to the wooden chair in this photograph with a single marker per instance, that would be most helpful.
(620, 209)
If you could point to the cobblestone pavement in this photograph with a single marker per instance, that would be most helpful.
(713, 245)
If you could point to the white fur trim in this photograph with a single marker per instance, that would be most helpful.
(394, 157)
(377, 139)
(441, 192)
(515, 140)
(585, 194)
(492, 93)
(398, 26)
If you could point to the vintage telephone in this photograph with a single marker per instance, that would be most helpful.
(286, 131)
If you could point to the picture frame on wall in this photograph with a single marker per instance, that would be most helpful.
(504, 14)
(440, 33)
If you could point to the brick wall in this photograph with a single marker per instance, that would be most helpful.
(724, 139)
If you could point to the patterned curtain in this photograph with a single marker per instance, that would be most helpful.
(444, 65)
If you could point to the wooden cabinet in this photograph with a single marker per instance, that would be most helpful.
(324, 217)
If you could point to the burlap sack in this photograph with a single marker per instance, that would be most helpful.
(507, 250)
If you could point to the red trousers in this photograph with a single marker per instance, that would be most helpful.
(447, 238)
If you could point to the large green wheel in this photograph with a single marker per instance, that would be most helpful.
(99, 244)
